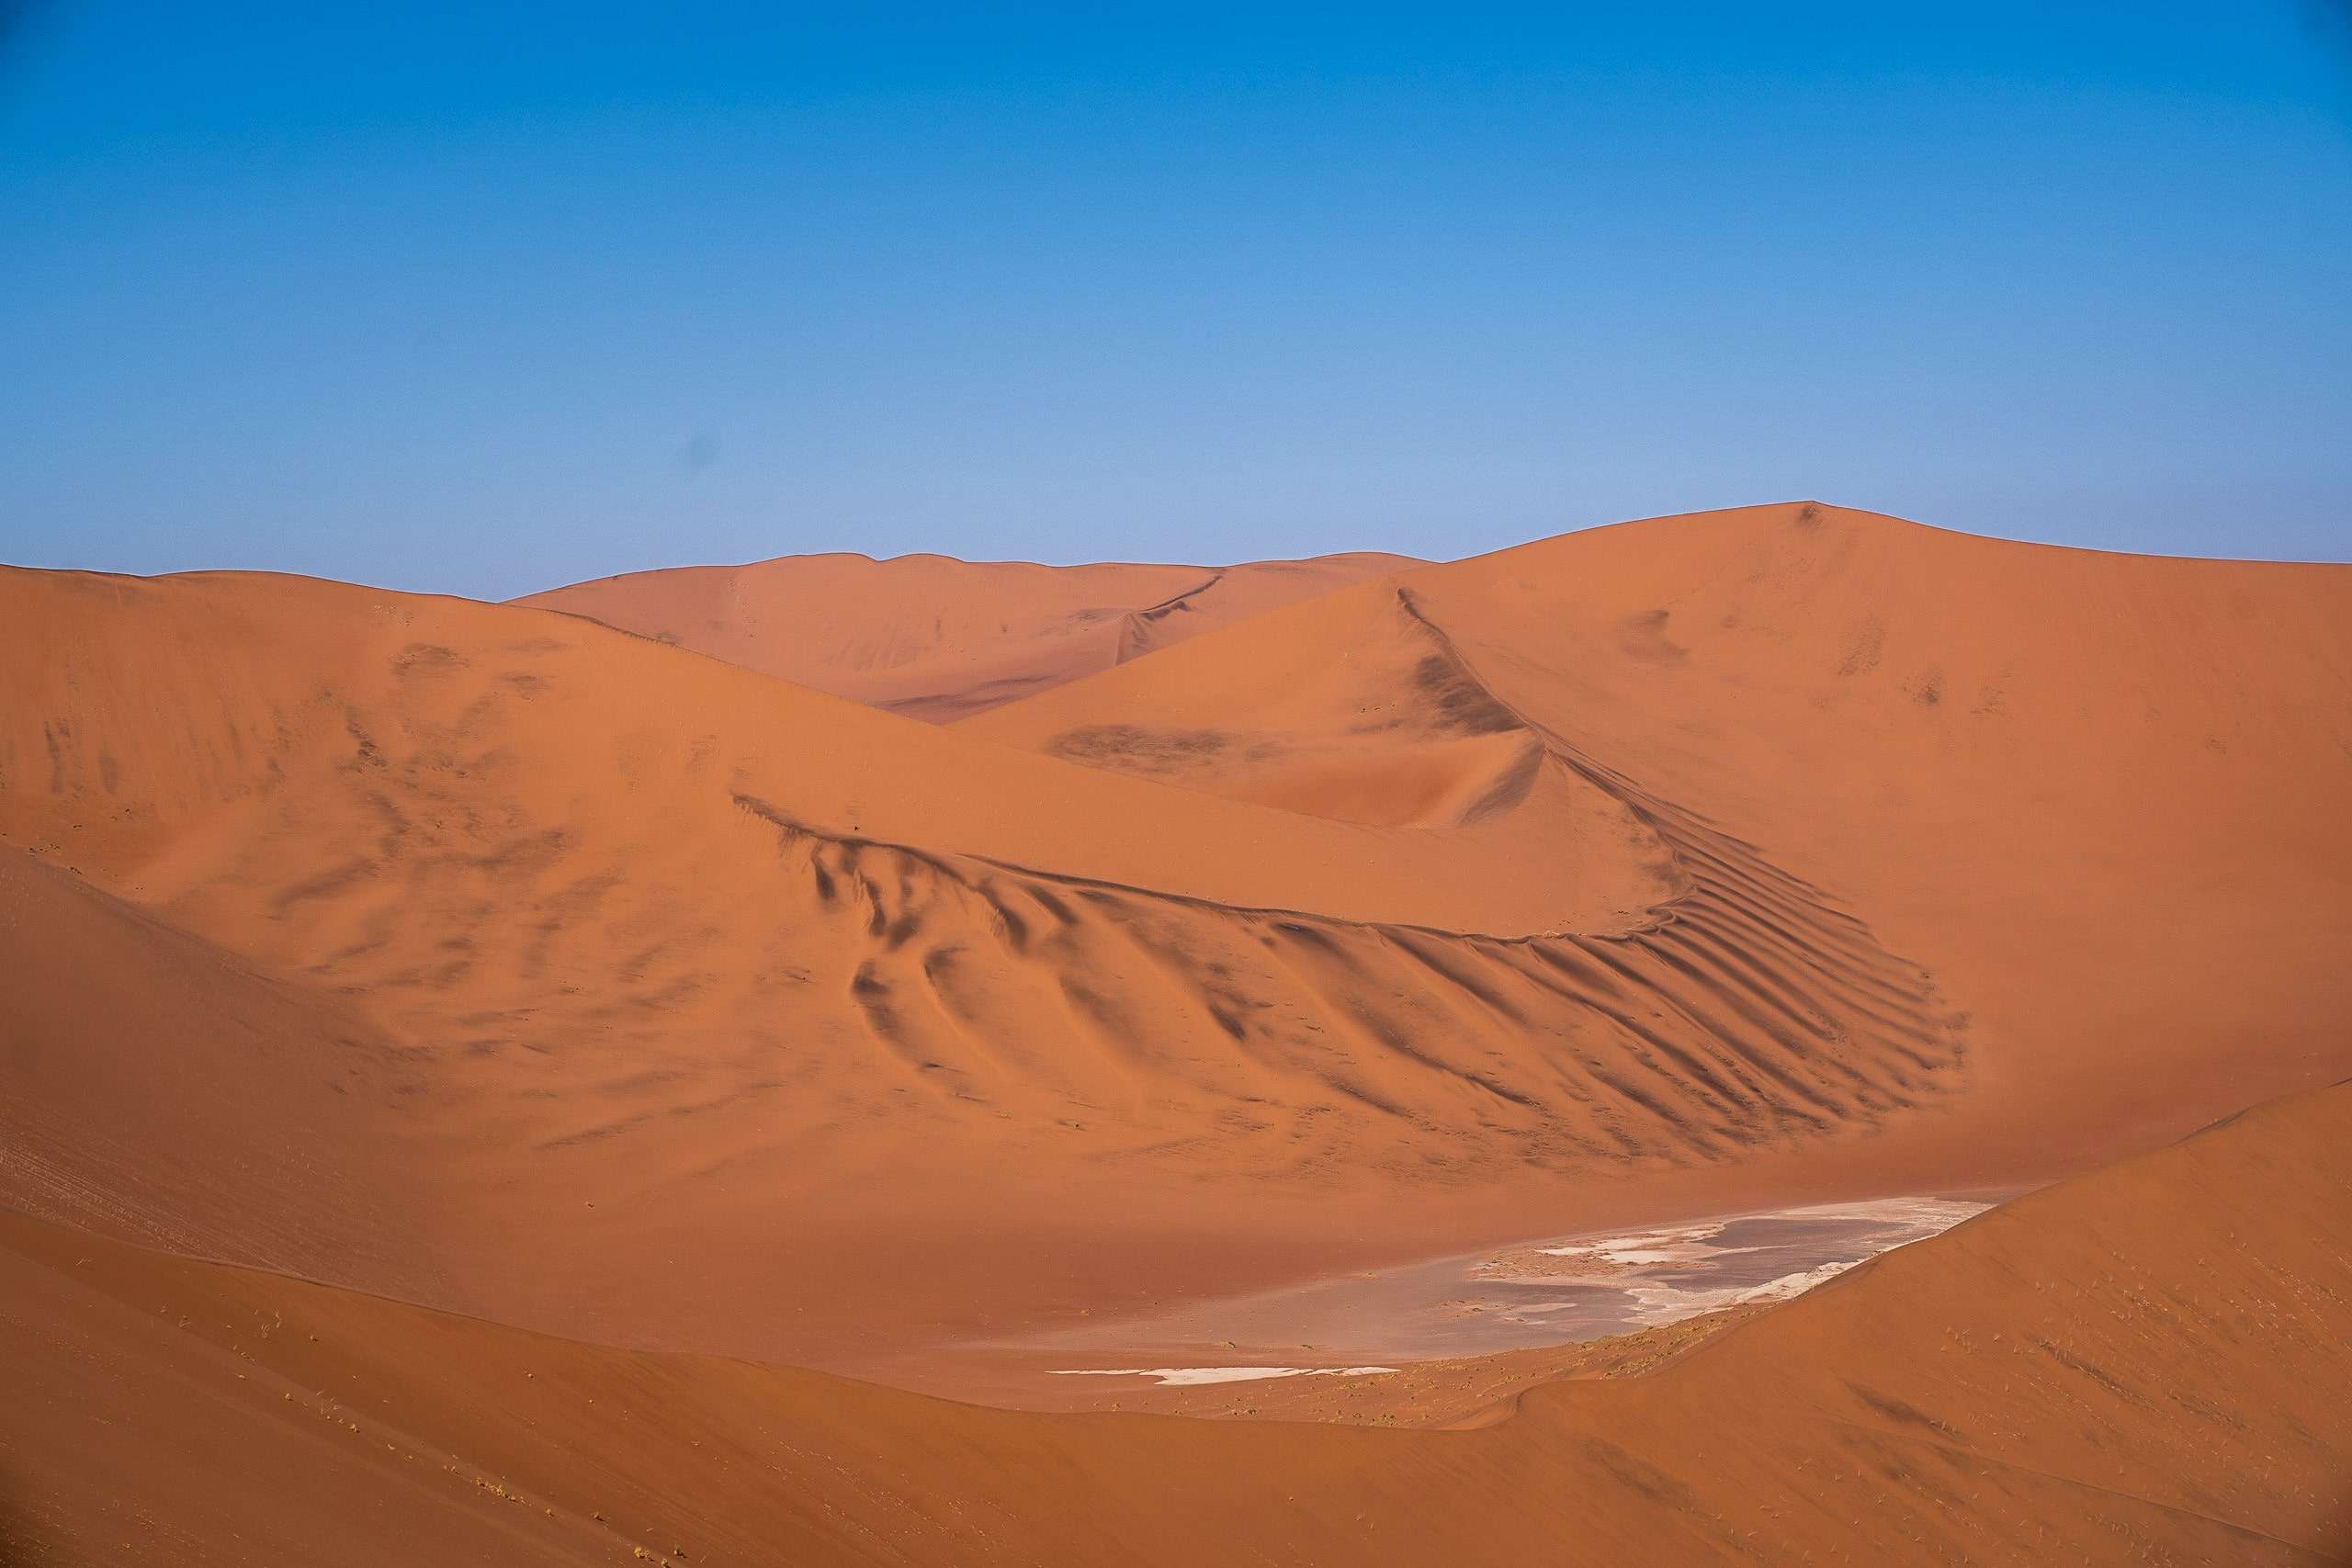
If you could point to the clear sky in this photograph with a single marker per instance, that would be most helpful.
(483, 297)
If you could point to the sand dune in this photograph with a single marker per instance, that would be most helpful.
(528, 847)
(938, 638)
(157, 1088)
(2076, 789)
(496, 959)
(1778, 855)
(2136, 1365)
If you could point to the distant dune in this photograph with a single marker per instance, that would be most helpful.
(938, 638)
(839, 963)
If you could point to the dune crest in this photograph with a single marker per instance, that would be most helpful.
(937, 638)
(1785, 854)
(2068, 785)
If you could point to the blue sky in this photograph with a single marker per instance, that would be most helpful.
(479, 298)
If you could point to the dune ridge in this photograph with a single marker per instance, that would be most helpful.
(396, 800)
(2067, 785)
(937, 638)
(1756, 857)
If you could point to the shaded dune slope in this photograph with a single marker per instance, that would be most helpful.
(937, 638)
(157, 1088)
(2137, 1365)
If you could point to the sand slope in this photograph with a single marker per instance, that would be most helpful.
(155, 1087)
(1688, 865)
(2140, 1365)
(2097, 798)
(938, 638)
(664, 936)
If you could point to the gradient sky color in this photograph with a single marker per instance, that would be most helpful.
(481, 298)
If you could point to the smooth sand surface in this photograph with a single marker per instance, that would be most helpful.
(2144, 1364)
(937, 638)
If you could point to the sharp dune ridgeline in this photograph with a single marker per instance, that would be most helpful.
(663, 981)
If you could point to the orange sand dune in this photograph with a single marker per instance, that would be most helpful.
(157, 1088)
(2142, 1365)
(2097, 798)
(937, 638)
(664, 936)
(1690, 865)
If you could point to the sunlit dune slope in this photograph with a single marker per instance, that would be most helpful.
(2140, 1365)
(661, 935)
(938, 638)
(168, 726)
(1664, 868)
(2099, 797)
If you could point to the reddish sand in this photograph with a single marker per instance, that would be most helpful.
(2143, 1365)
(938, 638)
(1685, 866)
(492, 958)
(2097, 799)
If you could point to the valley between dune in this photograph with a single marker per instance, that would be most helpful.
(1762, 960)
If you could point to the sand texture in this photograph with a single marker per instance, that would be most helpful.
(911, 970)
(2115, 1369)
